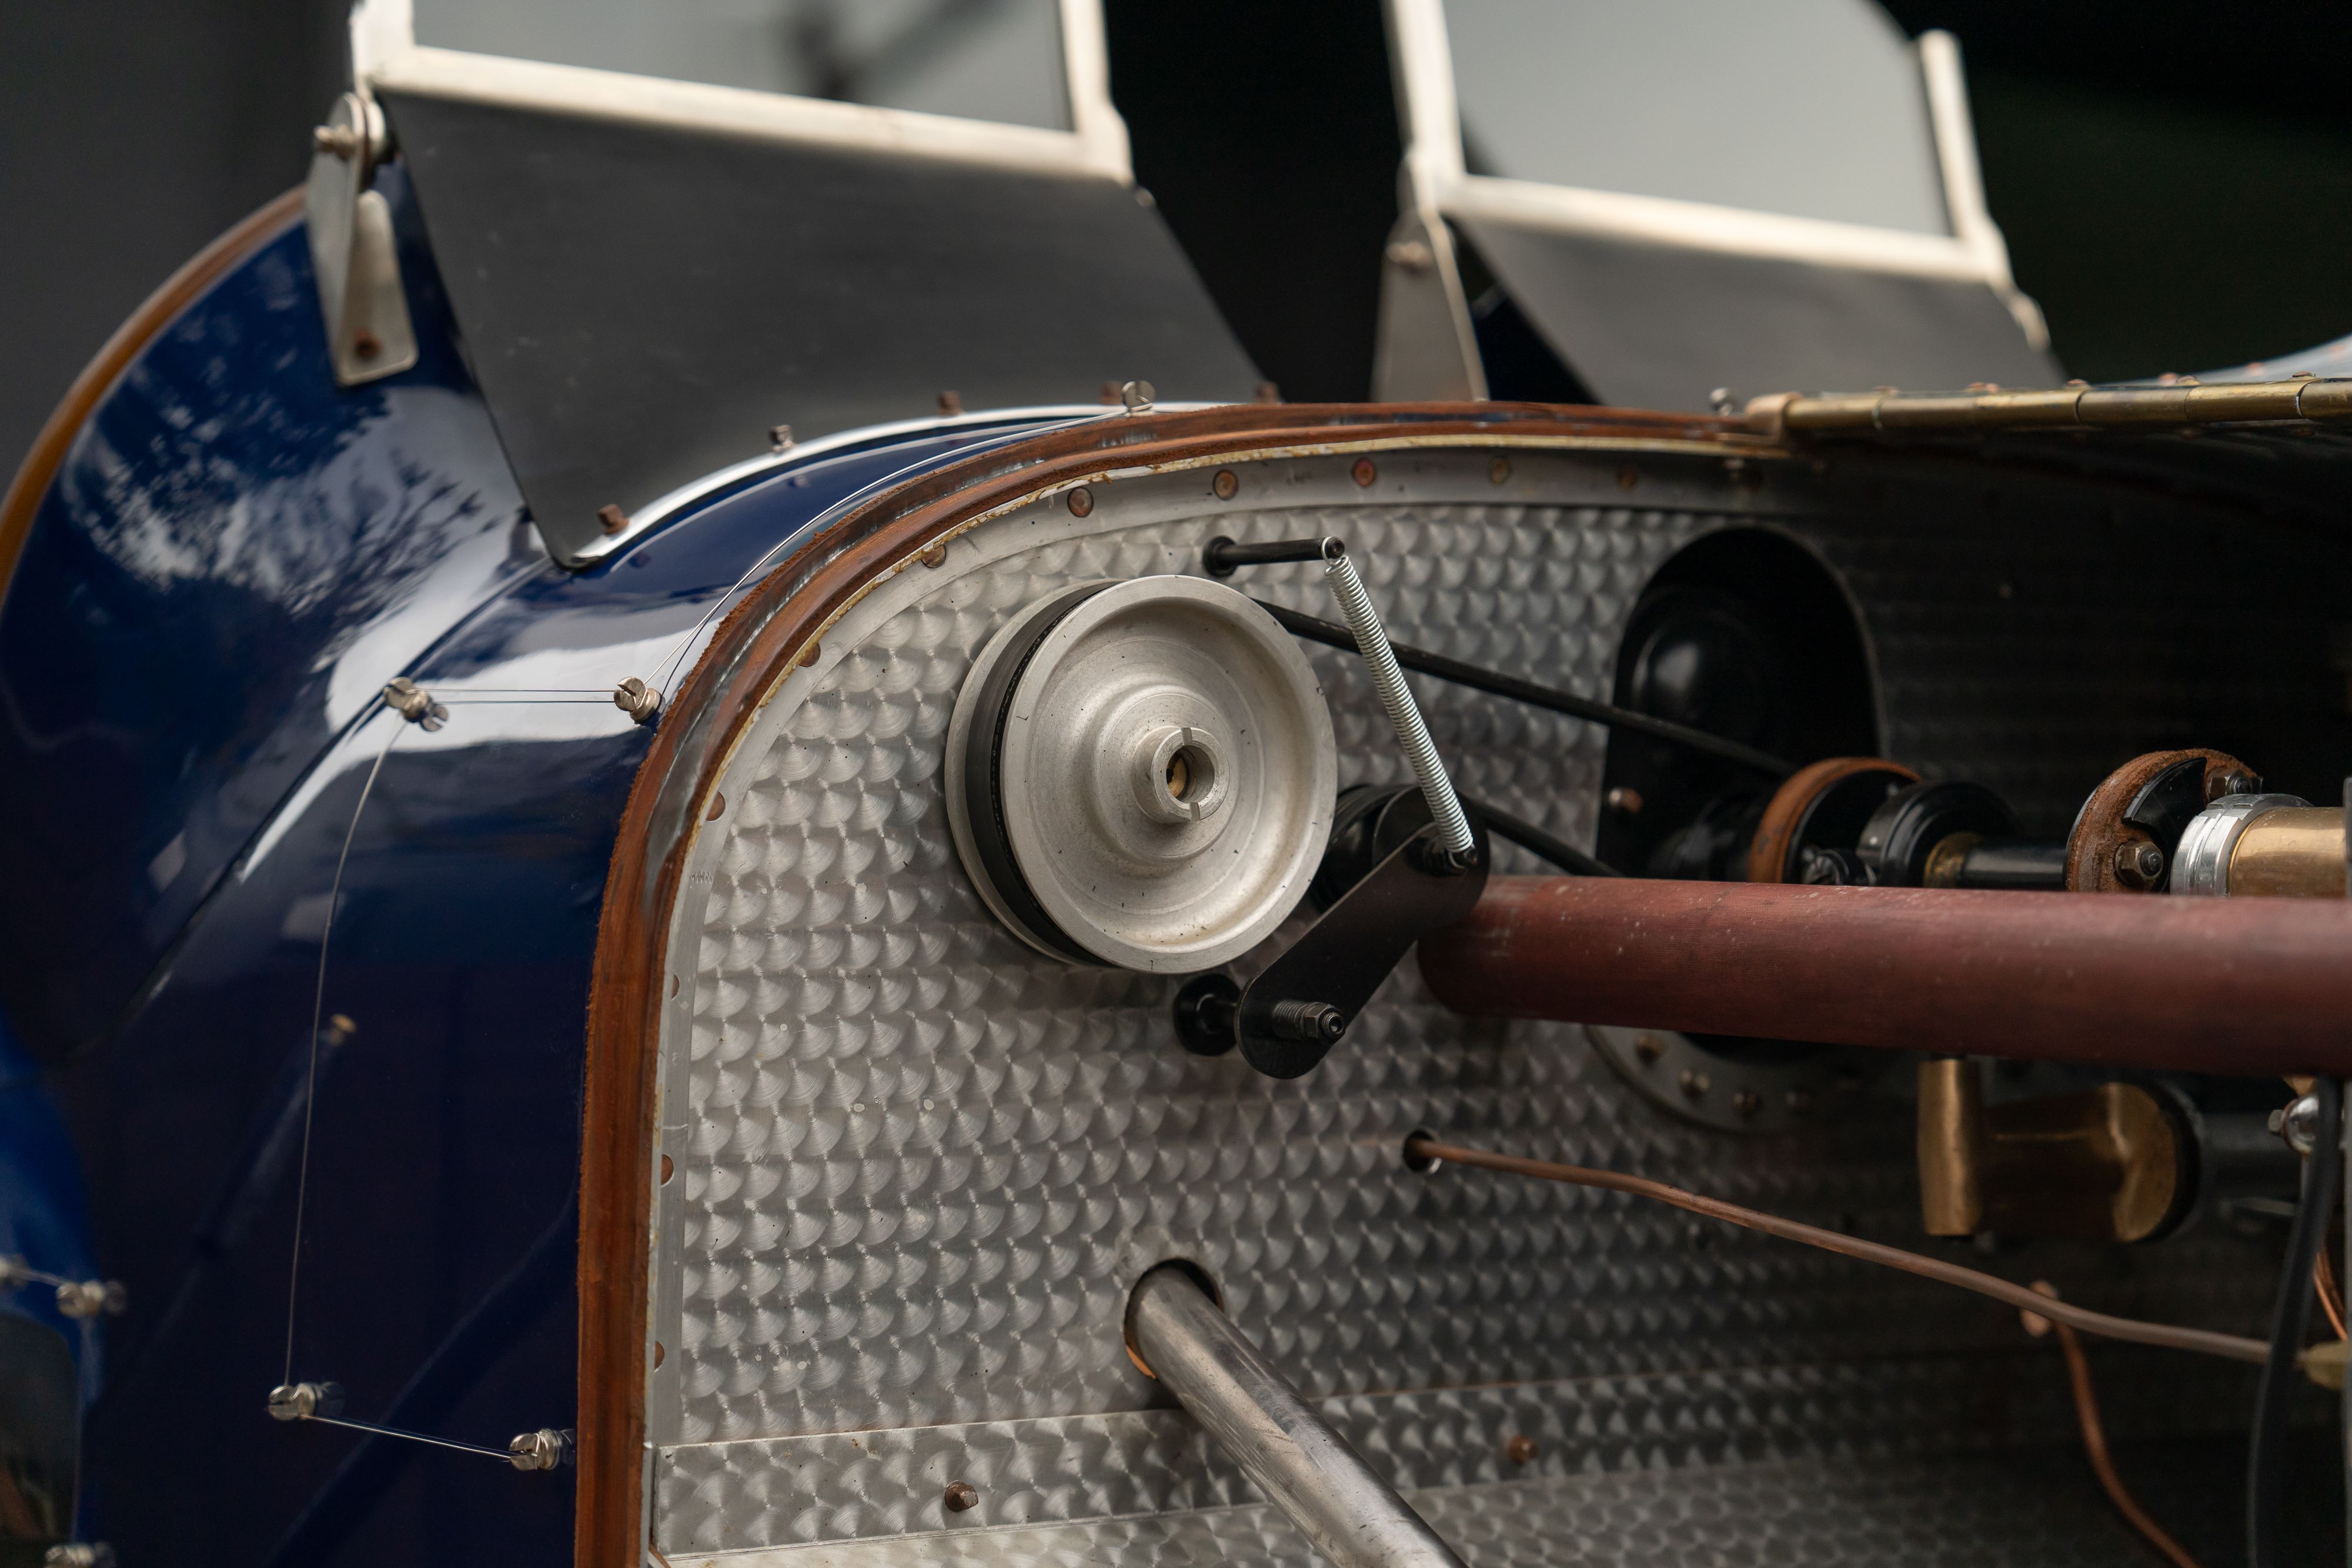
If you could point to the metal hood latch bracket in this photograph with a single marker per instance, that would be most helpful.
(369, 334)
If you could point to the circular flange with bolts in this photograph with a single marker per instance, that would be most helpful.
(1738, 1086)
(1140, 774)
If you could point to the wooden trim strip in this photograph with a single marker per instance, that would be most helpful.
(48, 453)
(757, 644)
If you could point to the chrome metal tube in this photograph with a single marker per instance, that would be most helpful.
(1303, 1466)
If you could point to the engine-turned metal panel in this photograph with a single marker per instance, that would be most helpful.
(918, 1164)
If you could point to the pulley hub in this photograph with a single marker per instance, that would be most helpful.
(1142, 773)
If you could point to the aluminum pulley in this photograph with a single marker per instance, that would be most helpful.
(1142, 773)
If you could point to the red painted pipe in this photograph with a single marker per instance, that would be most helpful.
(2200, 985)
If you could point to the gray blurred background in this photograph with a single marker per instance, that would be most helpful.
(2175, 178)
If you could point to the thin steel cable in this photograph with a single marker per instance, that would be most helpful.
(318, 1016)
(1388, 679)
(2233, 1347)
(2095, 1434)
(501, 1455)
(2290, 1324)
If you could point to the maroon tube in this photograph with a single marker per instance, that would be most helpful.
(2198, 985)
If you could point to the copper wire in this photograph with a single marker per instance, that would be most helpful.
(2095, 1445)
(2331, 1299)
(2233, 1347)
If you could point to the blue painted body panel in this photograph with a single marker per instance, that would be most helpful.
(236, 557)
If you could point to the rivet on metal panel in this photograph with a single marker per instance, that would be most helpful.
(1693, 1083)
(1521, 1449)
(1628, 477)
(935, 557)
(1080, 501)
(1365, 471)
(1624, 798)
(1649, 1047)
(366, 344)
(658, 1352)
(669, 1168)
(962, 1496)
(950, 403)
(1498, 470)
(810, 655)
(1748, 1102)
(612, 518)
(718, 807)
(1226, 484)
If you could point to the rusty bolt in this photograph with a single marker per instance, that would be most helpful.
(366, 344)
(1498, 470)
(960, 1496)
(1625, 798)
(1649, 1047)
(1081, 501)
(1521, 1449)
(613, 519)
(2138, 864)
(718, 807)
(1227, 484)
(1365, 472)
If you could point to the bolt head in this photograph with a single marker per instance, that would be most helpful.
(1521, 1449)
(1365, 472)
(2139, 864)
(962, 1496)
(2299, 1123)
(1226, 484)
(1080, 501)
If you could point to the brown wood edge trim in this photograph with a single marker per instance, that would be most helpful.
(758, 643)
(48, 453)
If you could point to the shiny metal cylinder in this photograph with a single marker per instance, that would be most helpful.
(1289, 1452)
(1388, 680)
(2295, 851)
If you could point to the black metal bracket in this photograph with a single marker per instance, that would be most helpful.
(1288, 1019)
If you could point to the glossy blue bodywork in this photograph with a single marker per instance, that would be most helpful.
(236, 557)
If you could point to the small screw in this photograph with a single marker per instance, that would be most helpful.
(960, 1496)
(1693, 1084)
(2230, 783)
(1081, 501)
(544, 1450)
(340, 141)
(950, 403)
(2138, 864)
(613, 519)
(1625, 798)
(2298, 1123)
(1295, 1020)
(1649, 1047)
(1748, 1102)
(1226, 484)
(1411, 255)
(301, 1401)
(1498, 471)
(412, 703)
(1720, 401)
(366, 344)
(1521, 1449)
(780, 437)
(636, 699)
(1136, 395)
(1365, 472)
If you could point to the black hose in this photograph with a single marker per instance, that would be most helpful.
(2290, 1321)
(1529, 837)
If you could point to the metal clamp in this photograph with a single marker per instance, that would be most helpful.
(414, 703)
(545, 1449)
